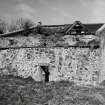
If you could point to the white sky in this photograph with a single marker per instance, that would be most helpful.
(54, 11)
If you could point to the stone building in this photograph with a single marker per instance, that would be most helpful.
(73, 52)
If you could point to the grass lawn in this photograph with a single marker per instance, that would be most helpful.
(19, 91)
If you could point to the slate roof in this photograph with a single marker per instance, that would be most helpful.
(53, 29)
(92, 28)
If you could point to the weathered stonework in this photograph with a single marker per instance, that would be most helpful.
(67, 57)
(77, 64)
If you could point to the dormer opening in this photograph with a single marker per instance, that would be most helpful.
(76, 28)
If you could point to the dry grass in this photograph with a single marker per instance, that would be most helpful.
(19, 91)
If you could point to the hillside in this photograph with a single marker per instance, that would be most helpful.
(19, 91)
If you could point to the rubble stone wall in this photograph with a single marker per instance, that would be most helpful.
(24, 55)
(39, 40)
(20, 41)
(81, 65)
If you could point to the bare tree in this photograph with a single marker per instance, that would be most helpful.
(12, 26)
(20, 24)
(3, 27)
(26, 23)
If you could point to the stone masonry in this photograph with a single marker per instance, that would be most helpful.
(67, 58)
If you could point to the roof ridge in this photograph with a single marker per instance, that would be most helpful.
(69, 24)
(94, 23)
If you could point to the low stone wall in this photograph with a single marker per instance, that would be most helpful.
(81, 65)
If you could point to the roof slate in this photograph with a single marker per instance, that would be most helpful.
(53, 29)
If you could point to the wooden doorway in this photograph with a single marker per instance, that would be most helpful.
(45, 69)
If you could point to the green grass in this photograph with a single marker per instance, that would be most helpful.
(19, 91)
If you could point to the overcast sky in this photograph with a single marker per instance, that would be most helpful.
(54, 11)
